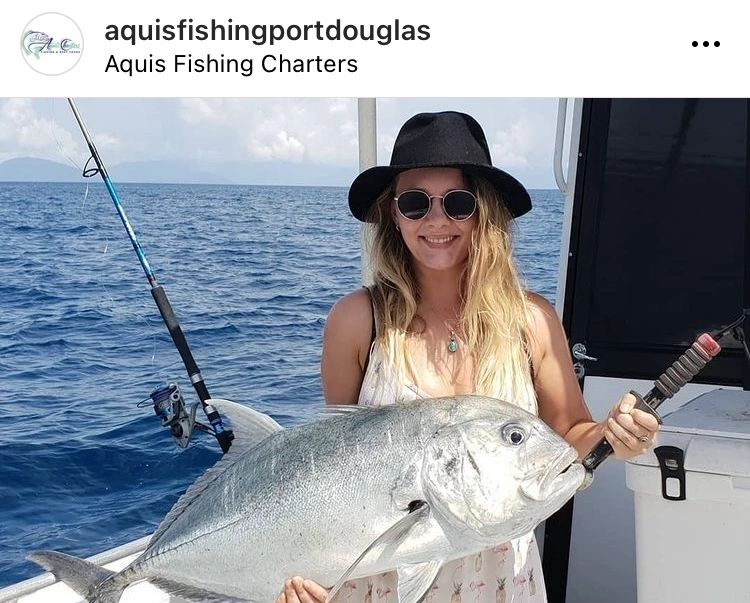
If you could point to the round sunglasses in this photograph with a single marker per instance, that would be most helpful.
(458, 205)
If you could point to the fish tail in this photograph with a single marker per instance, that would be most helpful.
(89, 580)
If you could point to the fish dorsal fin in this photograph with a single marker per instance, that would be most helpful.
(338, 410)
(192, 594)
(415, 580)
(391, 538)
(250, 428)
(191, 494)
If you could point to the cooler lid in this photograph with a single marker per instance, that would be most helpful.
(718, 413)
(713, 430)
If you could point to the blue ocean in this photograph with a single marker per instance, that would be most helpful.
(251, 272)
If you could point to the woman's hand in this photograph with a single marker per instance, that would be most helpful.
(630, 431)
(298, 590)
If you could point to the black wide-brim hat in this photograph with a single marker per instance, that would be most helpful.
(446, 139)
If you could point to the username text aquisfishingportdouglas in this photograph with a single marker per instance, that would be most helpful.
(256, 35)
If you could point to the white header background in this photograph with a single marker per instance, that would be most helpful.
(524, 48)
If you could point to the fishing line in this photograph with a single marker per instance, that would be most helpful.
(61, 150)
(87, 171)
(85, 196)
(52, 122)
(736, 330)
(109, 304)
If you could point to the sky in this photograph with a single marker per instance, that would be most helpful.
(307, 132)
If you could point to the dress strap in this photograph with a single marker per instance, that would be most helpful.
(373, 330)
(527, 350)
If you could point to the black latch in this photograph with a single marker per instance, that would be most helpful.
(672, 464)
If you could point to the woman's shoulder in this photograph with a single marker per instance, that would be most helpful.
(346, 347)
(356, 304)
(543, 325)
(541, 308)
(352, 314)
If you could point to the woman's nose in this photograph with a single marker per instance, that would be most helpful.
(436, 213)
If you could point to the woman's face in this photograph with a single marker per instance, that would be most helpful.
(436, 242)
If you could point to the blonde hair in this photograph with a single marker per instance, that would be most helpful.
(496, 316)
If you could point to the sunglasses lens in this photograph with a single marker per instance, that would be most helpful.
(413, 205)
(459, 205)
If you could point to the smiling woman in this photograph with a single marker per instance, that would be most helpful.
(447, 315)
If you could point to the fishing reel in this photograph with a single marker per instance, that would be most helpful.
(170, 407)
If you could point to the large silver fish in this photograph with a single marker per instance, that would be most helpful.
(406, 487)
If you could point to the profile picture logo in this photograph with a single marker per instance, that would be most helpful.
(51, 43)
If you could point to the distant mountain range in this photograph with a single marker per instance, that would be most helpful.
(28, 169)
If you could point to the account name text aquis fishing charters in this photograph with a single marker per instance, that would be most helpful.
(346, 34)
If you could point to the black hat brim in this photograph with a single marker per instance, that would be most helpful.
(371, 183)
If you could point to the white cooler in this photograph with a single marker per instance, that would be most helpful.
(692, 517)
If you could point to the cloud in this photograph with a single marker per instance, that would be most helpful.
(105, 141)
(320, 131)
(202, 111)
(280, 145)
(511, 146)
(25, 133)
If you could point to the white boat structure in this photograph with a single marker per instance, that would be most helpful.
(655, 250)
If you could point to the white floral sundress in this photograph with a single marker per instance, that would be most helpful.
(509, 573)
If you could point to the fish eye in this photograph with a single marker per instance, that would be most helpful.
(514, 434)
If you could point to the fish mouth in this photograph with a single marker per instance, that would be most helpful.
(562, 478)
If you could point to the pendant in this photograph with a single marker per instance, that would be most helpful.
(452, 343)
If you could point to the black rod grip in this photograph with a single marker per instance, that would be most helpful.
(603, 449)
(600, 452)
(223, 435)
(165, 309)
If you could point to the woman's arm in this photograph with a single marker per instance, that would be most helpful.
(346, 345)
(561, 403)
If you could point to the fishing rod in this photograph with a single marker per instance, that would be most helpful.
(687, 366)
(167, 401)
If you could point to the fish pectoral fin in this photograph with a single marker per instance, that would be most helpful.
(391, 538)
(193, 594)
(250, 427)
(415, 580)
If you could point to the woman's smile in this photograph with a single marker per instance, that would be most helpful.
(438, 242)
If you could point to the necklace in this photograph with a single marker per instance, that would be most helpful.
(453, 340)
(452, 343)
